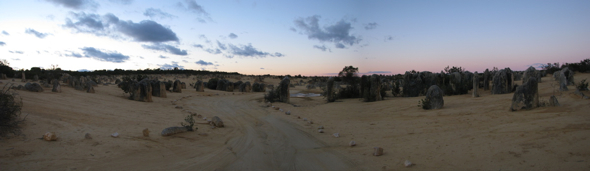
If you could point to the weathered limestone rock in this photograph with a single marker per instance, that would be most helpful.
(199, 86)
(117, 81)
(146, 132)
(36, 78)
(216, 122)
(49, 136)
(330, 90)
(141, 91)
(434, 95)
(563, 82)
(529, 73)
(486, 79)
(183, 85)
(569, 75)
(284, 94)
(177, 87)
(475, 93)
(375, 93)
(526, 95)
(377, 151)
(553, 101)
(89, 88)
(3, 76)
(56, 86)
(87, 136)
(502, 82)
(23, 78)
(173, 130)
(34, 87)
(352, 143)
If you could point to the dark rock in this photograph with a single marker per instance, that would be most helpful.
(563, 82)
(141, 91)
(553, 101)
(475, 92)
(330, 96)
(258, 87)
(245, 87)
(34, 87)
(183, 85)
(486, 79)
(56, 86)
(158, 88)
(216, 122)
(177, 87)
(23, 78)
(529, 73)
(173, 130)
(200, 86)
(434, 96)
(375, 92)
(89, 88)
(502, 82)
(569, 75)
(526, 95)
(284, 94)
(36, 78)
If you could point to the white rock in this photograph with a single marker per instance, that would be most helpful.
(115, 135)
(281, 110)
(408, 163)
(204, 118)
(321, 131)
(288, 112)
(352, 143)
(304, 119)
(336, 135)
(321, 127)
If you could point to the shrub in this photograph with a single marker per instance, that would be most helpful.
(190, 122)
(272, 95)
(10, 110)
(582, 86)
(424, 103)
(212, 84)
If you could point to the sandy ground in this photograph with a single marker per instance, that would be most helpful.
(467, 134)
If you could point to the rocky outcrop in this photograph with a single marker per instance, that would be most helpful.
(434, 98)
(330, 96)
(199, 86)
(563, 82)
(486, 79)
(258, 87)
(89, 88)
(553, 101)
(173, 130)
(526, 95)
(502, 82)
(34, 87)
(177, 87)
(284, 94)
(23, 78)
(56, 86)
(141, 91)
(475, 92)
(216, 122)
(158, 88)
(531, 72)
(245, 87)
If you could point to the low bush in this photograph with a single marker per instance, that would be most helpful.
(190, 122)
(582, 86)
(10, 112)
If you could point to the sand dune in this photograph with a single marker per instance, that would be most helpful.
(467, 134)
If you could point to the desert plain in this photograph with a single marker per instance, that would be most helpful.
(466, 134)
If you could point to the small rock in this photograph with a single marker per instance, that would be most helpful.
(288, 112)
(321, 127)
(377, 151)
(203, 134)
(321, 131)
(178, 107)
(352, 143)
(49, 136)
(146, 132)
(281, 110)
(408, 163)
(336, 135)
(115, 135)
(310, 122)
(204, 118)
(304, 119)
(298, 117)
(87, 136)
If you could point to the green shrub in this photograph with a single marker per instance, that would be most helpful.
(190, 122)
(424, 103)
(272, 95)
(212, 84)
(10, 110)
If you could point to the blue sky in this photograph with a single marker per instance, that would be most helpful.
(293, 37)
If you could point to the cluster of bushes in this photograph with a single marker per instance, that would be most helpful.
(10, 112)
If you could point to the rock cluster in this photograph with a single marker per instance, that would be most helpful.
(371, 88)
(502, 82)
(526, 95)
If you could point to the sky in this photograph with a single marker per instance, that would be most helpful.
(293, 37)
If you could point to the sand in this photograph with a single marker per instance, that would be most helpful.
(467, 134)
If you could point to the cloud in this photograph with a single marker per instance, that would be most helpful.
(74, 54)
(84, 70)
(36, 33)
(19, 52)
(203, 37)
(166, 48)
(338, 33)
(5, 33)
(153, 13)
(171, 66)
(323, 47)
(203, 63)
(388, 38)
(192, 6)
(370, 26)
(147, 31)
(124, 2)
(249, 51)
(339, 45)
(379, 72)
(233, 36)
(76, 4)
(115, 57)
(198, 45)
(221, 45)
(163, 57)
(261, 68)
(2, 43)
(109, 24)
(537, 65)
(185, 61)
